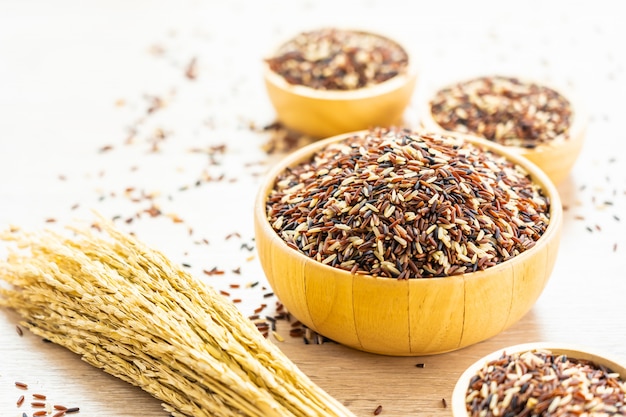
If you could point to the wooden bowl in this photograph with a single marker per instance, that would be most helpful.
(323, 113)
(555, 158)
(459, 394)
(408, 317)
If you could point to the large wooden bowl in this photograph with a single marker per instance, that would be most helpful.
(405, 317)
(572, 351)
(324, 113)
(555, 159)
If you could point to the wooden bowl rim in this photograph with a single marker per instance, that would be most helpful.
(550, 190)
(388, 86)
(571, 350)
(580, 115)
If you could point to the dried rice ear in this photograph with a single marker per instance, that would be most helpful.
(125, 308)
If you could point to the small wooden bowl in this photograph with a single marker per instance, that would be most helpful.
(323, 113)
(555, 159)
(407, 317)
(576, 352)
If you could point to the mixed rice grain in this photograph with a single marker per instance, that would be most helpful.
(543, 383)
(402, 204)
(337, 59)
(506, 110)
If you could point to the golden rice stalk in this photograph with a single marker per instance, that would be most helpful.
(125, 308)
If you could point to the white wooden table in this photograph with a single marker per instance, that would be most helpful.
(97, 113)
